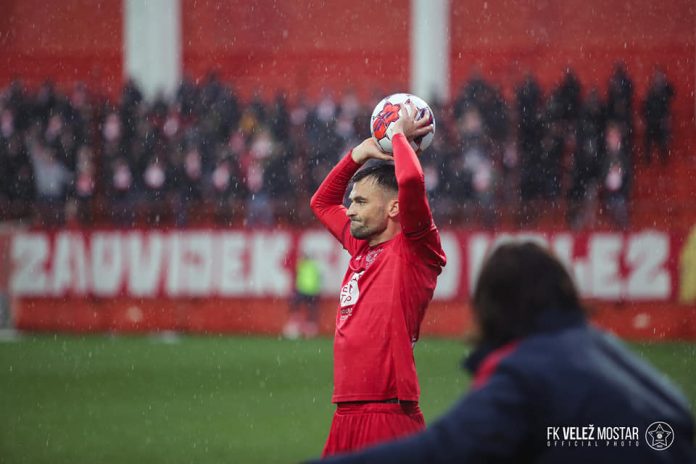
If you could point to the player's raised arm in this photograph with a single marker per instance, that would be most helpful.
(414, 212)
(327, 201)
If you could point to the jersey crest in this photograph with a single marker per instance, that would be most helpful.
(350, 291)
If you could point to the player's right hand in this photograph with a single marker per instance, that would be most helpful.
(368, 149)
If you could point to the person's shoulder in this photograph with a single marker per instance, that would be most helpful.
(426, 243)
(588, 352)
(539, 354)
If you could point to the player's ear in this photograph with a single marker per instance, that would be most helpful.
(393, 208)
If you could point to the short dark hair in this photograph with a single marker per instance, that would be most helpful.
(518, 282)
(382, 172)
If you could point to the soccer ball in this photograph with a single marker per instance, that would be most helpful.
(387, 112)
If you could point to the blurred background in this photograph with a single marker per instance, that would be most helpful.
(165, 292)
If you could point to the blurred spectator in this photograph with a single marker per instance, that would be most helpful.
(157, 183)
(85, 184)
(620, 102)
(280, 118)
(121, 192)
(656, 113)
(510, 174)
(472, 94)
(17, 190)
(440, 168)
(569, 95)
(52, 180)
(483, 97)
(551, 166)
(228, 189)
(477, 165)
(188, 174)
(259, 206)
(615, 176)
(530, 133)
(582, 194)
(280, 184)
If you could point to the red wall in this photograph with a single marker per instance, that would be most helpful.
(506, 38)
(66, 41)
(309, 46)
(318, 45)
(312, 45)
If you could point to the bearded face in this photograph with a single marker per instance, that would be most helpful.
(369, 206)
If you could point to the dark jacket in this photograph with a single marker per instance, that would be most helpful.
(566, 378)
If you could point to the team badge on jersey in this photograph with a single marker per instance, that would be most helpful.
(371, 256)
(350, 291)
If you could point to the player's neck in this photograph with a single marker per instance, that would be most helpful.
(387, 234)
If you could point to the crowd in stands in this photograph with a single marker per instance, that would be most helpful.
(206, 157)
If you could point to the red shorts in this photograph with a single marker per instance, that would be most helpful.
(356, 425)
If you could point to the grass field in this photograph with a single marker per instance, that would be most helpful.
(101, 399)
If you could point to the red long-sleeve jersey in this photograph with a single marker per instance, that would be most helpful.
(386, 288)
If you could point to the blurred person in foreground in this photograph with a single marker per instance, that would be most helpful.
(538, 369)
(396, 257)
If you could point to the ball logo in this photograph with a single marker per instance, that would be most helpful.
(659, 436)
(388, 115)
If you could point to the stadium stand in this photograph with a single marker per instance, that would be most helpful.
(209, 158)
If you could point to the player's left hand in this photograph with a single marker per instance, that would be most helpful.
(408, 125)
(368, 149)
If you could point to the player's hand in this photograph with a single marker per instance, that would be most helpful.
(368, 149)
(408, 125)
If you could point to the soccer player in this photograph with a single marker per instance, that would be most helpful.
(396, 257)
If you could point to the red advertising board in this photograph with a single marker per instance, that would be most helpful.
(239, 280)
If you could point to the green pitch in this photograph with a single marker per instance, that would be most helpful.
(99, 399)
